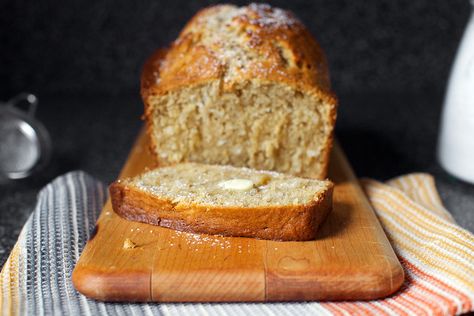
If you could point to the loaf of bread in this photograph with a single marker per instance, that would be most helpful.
(225, 200)
(244, 86)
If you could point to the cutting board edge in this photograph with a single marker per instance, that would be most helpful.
(109, 286)
(308, 286)
(94, 284)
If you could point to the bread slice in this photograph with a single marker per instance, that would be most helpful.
(225, 200)
(243, 86)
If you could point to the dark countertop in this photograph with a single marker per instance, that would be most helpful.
(383, 134)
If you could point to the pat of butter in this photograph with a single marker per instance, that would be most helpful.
(236, 185)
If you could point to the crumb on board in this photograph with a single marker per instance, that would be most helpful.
(128, 244)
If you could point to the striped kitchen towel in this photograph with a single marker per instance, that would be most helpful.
(437, 255)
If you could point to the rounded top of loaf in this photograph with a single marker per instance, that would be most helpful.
(236, 45)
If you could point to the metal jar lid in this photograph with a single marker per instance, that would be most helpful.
(25, 145)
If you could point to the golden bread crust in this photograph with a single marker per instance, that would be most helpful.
(281, 49)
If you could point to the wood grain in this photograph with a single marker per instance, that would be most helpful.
(351, 258)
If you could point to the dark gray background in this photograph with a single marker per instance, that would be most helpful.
(389, 64)
(98, 47)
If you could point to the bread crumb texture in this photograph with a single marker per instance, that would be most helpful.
(128, 244)
(193, 183)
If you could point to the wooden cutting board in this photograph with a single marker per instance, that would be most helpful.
(351, 258)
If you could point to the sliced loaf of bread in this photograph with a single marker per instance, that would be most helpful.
(225, 200)
(243, 86)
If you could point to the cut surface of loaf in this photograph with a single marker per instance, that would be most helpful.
(244, 86)
(225, 200)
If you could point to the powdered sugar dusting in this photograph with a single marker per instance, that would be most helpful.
(232, 34)
(266, 16)
(198, 242)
